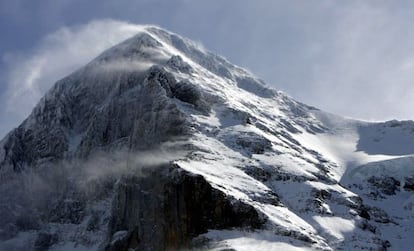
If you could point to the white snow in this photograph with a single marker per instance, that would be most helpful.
(306, 158)
(247, 241)
(335, 227)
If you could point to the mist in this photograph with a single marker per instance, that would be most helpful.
(74, 190)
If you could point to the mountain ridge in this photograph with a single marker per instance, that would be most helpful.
(287, 169)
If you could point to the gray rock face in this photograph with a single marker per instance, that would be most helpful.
(169, 207)
(158, 144)
(386, 185)
(105, 107)
(409, 184)
(176, 63)
(73, 119)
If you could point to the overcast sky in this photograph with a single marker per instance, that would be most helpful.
(354, 58)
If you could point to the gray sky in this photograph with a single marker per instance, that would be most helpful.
(354, 58)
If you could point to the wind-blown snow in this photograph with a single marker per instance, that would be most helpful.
(321, 181)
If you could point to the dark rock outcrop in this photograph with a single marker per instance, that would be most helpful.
(409, 184)
(133, 110)
(44, 241)
(386, 185)
(167, 208)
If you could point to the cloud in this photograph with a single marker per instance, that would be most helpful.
(354, 58)
(365, 65)
(57, 55)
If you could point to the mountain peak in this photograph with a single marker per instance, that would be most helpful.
(208, 148)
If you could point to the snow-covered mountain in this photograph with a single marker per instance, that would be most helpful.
(158, 144)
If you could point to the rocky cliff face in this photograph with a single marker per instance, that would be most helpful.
(124, 109)
(158, 144)
(169, 207)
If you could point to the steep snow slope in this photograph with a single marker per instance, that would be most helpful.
(157, 121)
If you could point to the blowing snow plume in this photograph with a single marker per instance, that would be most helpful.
(257, 160)
(57, 55)
(70, 192)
